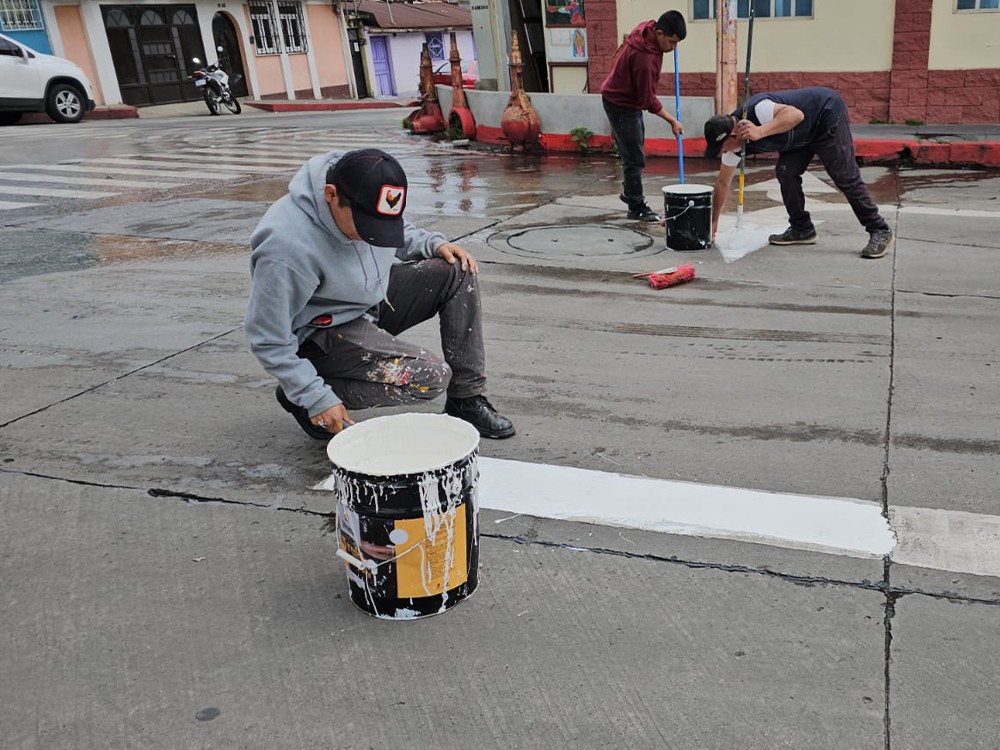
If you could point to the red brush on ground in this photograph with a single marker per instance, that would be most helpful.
(668, 276)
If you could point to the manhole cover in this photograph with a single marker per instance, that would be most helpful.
(575, 241)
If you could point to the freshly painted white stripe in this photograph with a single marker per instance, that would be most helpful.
(202, 164)
(9, 205)
(159, 174)
(71, 180)
(947, 540)
(53, 192)
(828, 524)
(927, 537)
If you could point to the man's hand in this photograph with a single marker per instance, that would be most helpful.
(673, 122)
(747, 131)
(333, 419)
(452, 252)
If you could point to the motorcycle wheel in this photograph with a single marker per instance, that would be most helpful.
(233, 105)
(212, 100)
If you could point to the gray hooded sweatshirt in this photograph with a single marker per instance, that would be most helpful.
(302, 267)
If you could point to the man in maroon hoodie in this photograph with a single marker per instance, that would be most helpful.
(629, 90)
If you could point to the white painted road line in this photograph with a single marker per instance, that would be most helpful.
(53, 192)
(9, 205)
(922, 537)
(159, 174)
(200, 164)
(826, 524)
(73, 180)
(947, 540)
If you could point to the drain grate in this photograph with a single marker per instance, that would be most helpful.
(576, 241)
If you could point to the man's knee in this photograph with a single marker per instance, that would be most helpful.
(427, 378)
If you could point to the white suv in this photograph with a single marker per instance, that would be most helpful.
(33, 82)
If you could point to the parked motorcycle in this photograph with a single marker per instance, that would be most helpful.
(214, 85)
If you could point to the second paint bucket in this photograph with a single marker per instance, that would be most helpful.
(407, 513)
(688, 215)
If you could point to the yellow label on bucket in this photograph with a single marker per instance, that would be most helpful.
(430, 565)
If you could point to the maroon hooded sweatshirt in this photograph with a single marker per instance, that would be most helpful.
(635, 71)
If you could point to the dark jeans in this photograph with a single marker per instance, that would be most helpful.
(835, 148)
(629, 133)
(366, 365)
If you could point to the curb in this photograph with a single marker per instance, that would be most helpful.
(117, 112)
(869, 150)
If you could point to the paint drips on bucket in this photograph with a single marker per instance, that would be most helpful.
(408, 513)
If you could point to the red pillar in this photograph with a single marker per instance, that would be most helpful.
(911, 42)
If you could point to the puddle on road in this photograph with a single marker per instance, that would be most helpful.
(34, 253)
(266, 191)
(972, 189)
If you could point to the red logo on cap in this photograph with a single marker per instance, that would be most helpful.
(390, 200)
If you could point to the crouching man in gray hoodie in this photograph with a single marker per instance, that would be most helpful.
(337, 274)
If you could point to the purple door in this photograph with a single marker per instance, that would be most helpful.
(382, 66)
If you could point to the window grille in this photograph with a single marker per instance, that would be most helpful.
(20, 15)
(705, 9)
(265, 38)
(293, 32)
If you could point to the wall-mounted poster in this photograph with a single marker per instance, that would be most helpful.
(564, 13)
(567, 45)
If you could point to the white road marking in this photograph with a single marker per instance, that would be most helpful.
(146, 172)
(828, 524)
(52, 192)
(9, 205)
(932, 538)
(194, 164)
(72, 180)
(947, 540)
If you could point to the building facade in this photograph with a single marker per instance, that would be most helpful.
(23, 20)
(892, 60)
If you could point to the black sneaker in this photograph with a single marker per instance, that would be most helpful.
(301, 416)
(644, 214)
(879, 243)
(480, 413)
(794, 237)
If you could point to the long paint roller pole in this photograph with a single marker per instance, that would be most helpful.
(743, 146)
(677, 107)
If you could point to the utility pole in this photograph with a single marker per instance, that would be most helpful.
(725, 70)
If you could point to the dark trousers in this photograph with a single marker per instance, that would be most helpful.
(835, 149)
(366, 365)
(629, 133)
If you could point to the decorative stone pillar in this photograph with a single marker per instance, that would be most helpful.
(461, 123)
(429, 118)
(520, 123)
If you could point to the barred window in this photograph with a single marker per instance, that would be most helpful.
(20, 15)
(293, 33)
(705, 9)
(977, 5)
(265, 37)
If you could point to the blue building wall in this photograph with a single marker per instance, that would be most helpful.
(37, 40)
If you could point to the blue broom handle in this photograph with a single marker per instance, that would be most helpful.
(677, 106)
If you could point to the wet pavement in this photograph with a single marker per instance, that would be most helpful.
(166, 579)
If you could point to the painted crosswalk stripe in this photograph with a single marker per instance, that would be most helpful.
(74, 180)
(932, 538)
(194, 165)
(249, 156)
(10, 205)
(53, 192)
(186, 175)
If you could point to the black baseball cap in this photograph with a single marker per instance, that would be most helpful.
(375, 184)
(717, 130)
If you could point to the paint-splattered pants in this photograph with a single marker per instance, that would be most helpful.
(629, 133)
(835, 148)
(366, 365)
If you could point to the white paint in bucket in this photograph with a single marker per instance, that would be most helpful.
(402, 444)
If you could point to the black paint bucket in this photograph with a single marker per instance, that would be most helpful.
(688, 214)
(408, 513)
